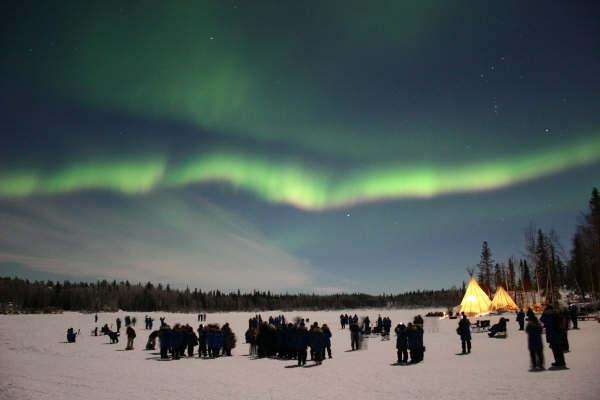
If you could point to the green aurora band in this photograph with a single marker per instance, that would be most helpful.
(292, 182)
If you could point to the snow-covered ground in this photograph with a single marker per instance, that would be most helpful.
(35, 363)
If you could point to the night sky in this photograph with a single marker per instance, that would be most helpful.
(314, 146)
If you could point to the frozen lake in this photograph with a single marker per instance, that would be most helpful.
(37, 364)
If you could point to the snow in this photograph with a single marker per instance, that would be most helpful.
(37, 364)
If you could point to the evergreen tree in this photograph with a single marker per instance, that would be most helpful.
(526, 276)
(499, 276)
(485, 268)
(542, 261)
(510, 276)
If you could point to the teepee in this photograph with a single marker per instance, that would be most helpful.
(475, 301)
(502, 301)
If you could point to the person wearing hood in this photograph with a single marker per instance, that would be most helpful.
(327, 340)
(130, 337)
(521, 319)
(402, 344)
(535, 344)
(317, 343)
(464, 330)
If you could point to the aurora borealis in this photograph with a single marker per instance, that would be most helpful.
(291, 183)
(332, 132)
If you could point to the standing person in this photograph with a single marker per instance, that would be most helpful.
(535, 344)
(464, 330)
(176, 342)
(555, 335)
(327, 338)
(302, 343)
(521, 319)
(367, 325)
(354, 335)
(130, 336)
(133, 321)
(317, 342)
(202, 347)
(251, 340)
(402, 344)
(164, 336)
(191, 340)
(96, 318)
(342, 321)
(118, 324)
(414, 335)
(228, 339)
(573, 315)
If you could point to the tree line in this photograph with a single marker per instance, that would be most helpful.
(545, 267)
(27, 296)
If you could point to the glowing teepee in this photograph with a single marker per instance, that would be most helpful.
(502, 301)
(475, 301)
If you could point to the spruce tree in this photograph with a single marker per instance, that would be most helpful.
(485, 268)
(510, 278)
(526, 276)
(499, 275)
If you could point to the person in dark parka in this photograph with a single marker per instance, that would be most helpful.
(177, 344)
(164, 337)
(151, 343)
(327, 339)
(521, 319)
(130, 337)
(202, 348)
(214, 340)
(573, 315)
(464, 330)
(555, 335)
(535, 344)
(530, 313)
(228, 339)
(354, 335)
(497, 328)
(71, 335)
(317, 343)
(402, 344)
(414, 335)
(191, 340)
(301, 344)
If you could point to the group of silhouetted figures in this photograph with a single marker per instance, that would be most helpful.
(409, 341)
(296, 340)
(278, 338)
(554, 323)
(181, 340)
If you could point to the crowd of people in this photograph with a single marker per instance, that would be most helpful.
(181, 340)
(277, 337)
